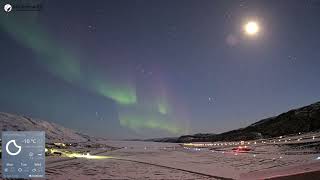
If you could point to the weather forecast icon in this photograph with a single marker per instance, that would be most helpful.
(15, 144)
(23, 154)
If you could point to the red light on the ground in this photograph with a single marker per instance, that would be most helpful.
(241, 149)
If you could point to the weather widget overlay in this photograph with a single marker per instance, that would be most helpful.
(23, 154)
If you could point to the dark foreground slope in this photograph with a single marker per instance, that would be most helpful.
(305, 119)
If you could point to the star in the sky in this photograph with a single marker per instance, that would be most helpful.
(228, 15)
(210, 99)
(142, 70)
(91, 28)
(292, 58)
(172, 31)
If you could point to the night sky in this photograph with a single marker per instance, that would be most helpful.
(149, 68)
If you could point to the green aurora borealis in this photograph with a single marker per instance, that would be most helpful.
(60, 61)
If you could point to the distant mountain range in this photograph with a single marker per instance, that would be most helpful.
(305, 119)
(54, 132)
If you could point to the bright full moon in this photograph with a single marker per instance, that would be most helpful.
(251, 28)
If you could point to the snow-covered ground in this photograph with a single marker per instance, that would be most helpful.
(222, 162)
(151, 160)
